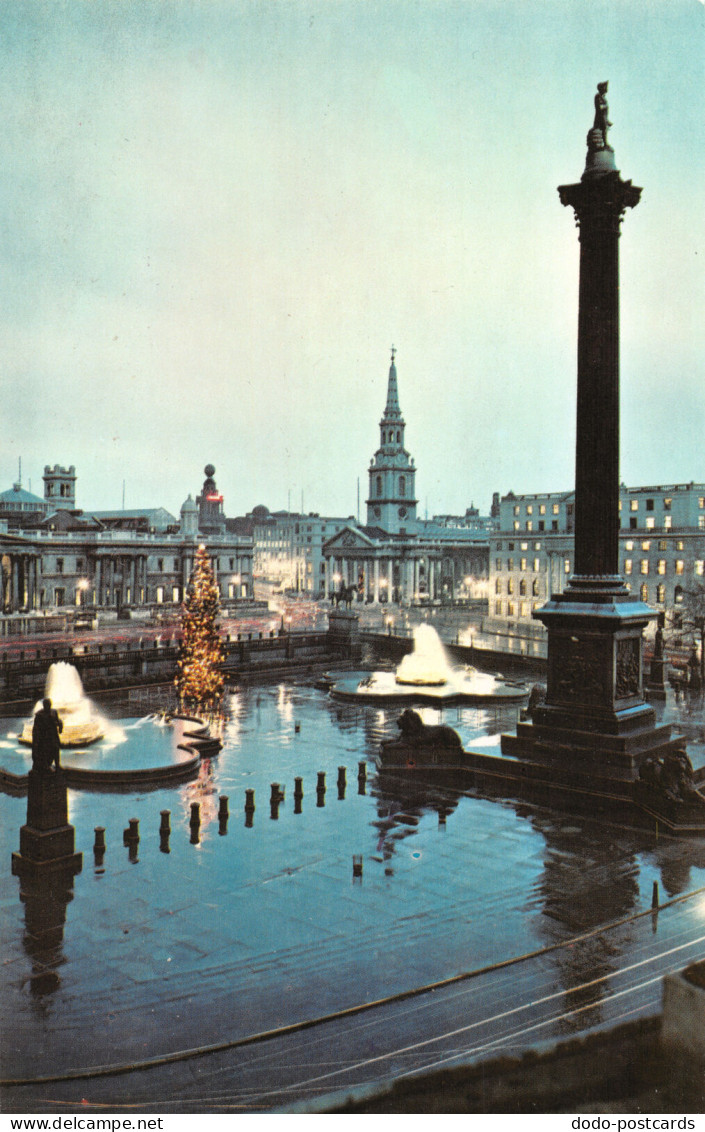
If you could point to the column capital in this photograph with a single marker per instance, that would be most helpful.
(599, 203)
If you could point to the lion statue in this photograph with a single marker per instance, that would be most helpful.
(419, 734)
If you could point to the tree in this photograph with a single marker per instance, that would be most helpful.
(199, 676)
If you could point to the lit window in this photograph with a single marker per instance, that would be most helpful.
(529, 525)
(644, 565)
(529, 508)
(537, 565)
(699, 567)
(510, 585)
(701, 502)
(661, 566)
(660, 595)
(498, 564)
(542, 508)
(679, 565)
(524, 546)
(667, 503)
(667, 522)
(523, 610)
(498, 586)
(517, 525)
(634, 505)
(650, 523)
(663, 545)
(517, 509)
(644, 592)
(537, 546)
(566, 566)
(510, 564)
(498, 608)
(679, 544)
(535, 587)
(510, 609)
(678, 594)
(646, 545)
(555, 509)
(629, 545)
(522, 565)
(627, 565)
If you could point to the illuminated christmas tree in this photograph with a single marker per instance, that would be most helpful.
(199, 677)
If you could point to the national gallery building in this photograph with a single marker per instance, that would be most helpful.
(53, 555)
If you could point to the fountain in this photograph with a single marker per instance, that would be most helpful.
(425, 674)
(82, 723)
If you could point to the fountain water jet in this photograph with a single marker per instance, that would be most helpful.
(82, 723)
(425, 674)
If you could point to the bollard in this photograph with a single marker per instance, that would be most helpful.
(274, 809)
(222, 825)
(249, 819)
(132, 833)
(276, 794)
(297, 727)
(164, 842)
(132, 851)
(321, 783)
(99, 843)
(357, 864)
(297, 803)
(195, 837)
(654, 895)
(298, 788)
(249, 801)
(165, 825)
(195, 818)
(223, 807)
(362, 771)
(341, 776)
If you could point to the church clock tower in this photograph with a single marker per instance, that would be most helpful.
(392, 504)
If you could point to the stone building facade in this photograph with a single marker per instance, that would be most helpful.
(661, 550)
(59, 557)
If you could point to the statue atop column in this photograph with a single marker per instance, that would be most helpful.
(597, 138)
(46, 745)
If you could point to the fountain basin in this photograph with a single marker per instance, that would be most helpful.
(82, 723)
(464, 686)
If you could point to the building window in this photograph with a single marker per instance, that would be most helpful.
(629, 545)
(510, 564)
(529, 525)
(498, 564)
(160, 594)
(542, 508)
(79, 563)
(537, 565)
(498, 586)
(510, 609)
(644, 592)
(517, 525)
(667, 503)
(650, 523)
(174, 594)
(667, 522)
(524, 545)
(517, 510)
(522, 587)
(160, 565)
(649, 504)
(679, 565)
(402, 486)
(678, 594)
(566, 566)
(661, 566)
(510, 546)
(498, 608)
(510, 585)
(663, 545)
(556, 509)
(632, 524)
(634, 505)
(523, 609)
(644, 565)
(522, 565)
(660, 595)
(59, 565)
(627, 565)
(679, 544)
(646, 545)
(554, 524)
(541, 525)
(529, 509)
(699, 567)
(535, 587)
(701, 502)
(379, 487)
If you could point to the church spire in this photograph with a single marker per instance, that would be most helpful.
(392, 412)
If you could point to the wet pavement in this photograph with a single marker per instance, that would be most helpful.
(244, 929)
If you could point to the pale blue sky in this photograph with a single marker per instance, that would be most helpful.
(218, 216)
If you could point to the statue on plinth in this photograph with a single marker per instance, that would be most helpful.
(46, 744)
(601, 123)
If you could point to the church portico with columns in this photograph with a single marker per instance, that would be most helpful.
(397, 557)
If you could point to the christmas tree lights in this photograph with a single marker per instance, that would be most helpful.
(199, 676)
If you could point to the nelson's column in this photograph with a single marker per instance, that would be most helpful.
(595, 720)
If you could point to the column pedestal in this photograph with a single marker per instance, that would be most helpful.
(47, 839)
